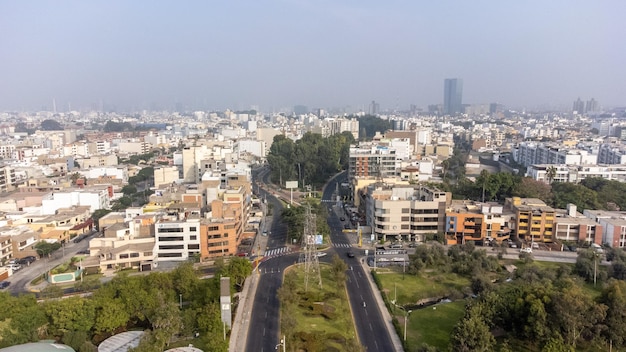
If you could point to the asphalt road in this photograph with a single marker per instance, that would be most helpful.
(264, 330)
(370, 325)
(20, 279)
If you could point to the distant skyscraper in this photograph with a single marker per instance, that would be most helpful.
(579, 107)
(452, 96)
(300, 110)
(592, 105)
(374, 108)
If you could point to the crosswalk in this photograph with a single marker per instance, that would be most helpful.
(342, 245)
(277, 251)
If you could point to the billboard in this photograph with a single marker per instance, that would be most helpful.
(291, 184)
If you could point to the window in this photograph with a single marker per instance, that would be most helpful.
(134, 255)
(193, 229)
(177, 246)
(174, 229)
(124, 256)
(170, 255)
(214, 228)
(171, 238)
(193, 246)
(193, 238)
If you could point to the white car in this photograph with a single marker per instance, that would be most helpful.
(321, 254)
(14, 267)
(526, 250)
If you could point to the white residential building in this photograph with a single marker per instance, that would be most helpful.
(96, 197)
(177, 240)
(577, 173)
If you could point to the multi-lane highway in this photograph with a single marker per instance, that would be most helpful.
(368, 318)
(264, 327)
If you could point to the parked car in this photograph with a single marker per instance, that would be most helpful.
(342, 218)
(526, 250)
(27, 260)
(4, 284)
(84, 251)
(14, 267)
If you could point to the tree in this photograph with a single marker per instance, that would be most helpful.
(551, 173)
(581, 196)
(338, 269)
(110, 315)
(529, 188)
(129, 190)
(51, 125)
(44, 248)
(70, 315)
(472, 334)
(97, 215)
(614, 298)
(575, 314)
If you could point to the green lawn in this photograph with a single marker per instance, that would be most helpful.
(433, 325)
(411, 288)
(324, 316)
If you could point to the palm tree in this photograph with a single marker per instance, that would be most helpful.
(551, 173)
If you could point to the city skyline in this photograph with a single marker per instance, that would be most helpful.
(318, 54)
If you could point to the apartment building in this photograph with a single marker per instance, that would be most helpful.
(96, 197)
(218, 238)
(529, 153)
(6, 249)
(473, 221)
(613, 226)
(120, 249)
(405, 213)
(577, 173)
(534, 220)
(373, 161)
(612, 154)
(165, 175)
(97, 160)
(177, 239)
(8, 180)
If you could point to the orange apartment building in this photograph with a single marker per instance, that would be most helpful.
(534, 220)
(223, 232)
(471, 221)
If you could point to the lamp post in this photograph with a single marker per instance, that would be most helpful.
(406, 317)
(180, 298)
(282, 343)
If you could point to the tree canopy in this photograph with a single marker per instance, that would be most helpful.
(310, 160)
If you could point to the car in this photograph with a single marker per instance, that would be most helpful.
(342, 218)
(27, 260)
(84, 251)
(14, 267)
(350, 254)
(321, 254)
(346, 226)
(412, 245)
(4, 284)
(526, 250)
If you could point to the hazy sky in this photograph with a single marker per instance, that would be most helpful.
(320, 53)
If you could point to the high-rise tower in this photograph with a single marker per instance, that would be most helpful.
(452, 96)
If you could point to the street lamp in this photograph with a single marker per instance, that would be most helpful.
(282, 343)
(406, 317)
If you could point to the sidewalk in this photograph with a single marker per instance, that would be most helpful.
(239, 331)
